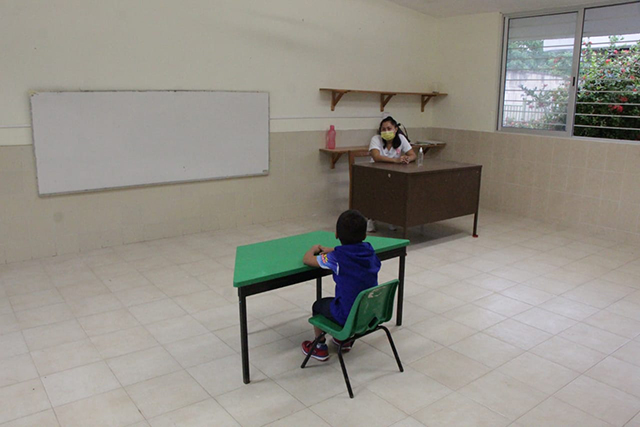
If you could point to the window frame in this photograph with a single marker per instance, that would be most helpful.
(575, 70)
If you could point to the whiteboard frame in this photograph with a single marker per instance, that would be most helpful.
(144, 185)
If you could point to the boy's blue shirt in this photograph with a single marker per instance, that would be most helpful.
(355, 268)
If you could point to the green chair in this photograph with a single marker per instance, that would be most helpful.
(371, 308)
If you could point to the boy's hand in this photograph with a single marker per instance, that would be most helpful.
(317, 249)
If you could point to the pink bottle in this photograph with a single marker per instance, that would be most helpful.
(331, 138)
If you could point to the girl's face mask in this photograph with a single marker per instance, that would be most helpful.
(388, 135)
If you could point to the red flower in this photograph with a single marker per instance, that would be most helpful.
(623, 99)
(615, 51)
(607, 61)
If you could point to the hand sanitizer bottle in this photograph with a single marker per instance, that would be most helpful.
(420, 157)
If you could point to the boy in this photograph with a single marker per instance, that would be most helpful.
(355, 267)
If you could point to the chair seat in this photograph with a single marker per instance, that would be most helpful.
(332, 328)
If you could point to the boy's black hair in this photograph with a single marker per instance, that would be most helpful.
(351, 227)
(396, 140)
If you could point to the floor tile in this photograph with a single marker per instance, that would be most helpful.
(41, 419)
(143, 365)
(141, 295)
(54, 334)
(554, 412)
(12, 344)
(442, 330)
(113, 408)
(269, 402)
(327, 381)
(545, 320)
(486, 349)
(518, 334)
(22, 399)
(569, 308)
(568, 354)
(366, 409)
(436, 302)
(200, 301)
(36, 299)
(630, 353)
(202, 414)
(539, 373)
(78, 383)
(305, 417)
(156, 311)
(409, 391)
(176, 329)
(503, 394)
(458, 410)
(223, 375)
(615, 324)
(44, 315)
(600, 400)
(450, 368)
(17, 369)
(527, 294)
(410, 345)
(474, 316)
(617, 373)
(164, 394)
(122, 342)
(198, 350)
(110, 321)
(594, 338)
(502, 305)
(65, 356)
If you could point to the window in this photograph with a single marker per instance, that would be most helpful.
(573, 73)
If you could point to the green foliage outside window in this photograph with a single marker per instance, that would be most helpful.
(608, 96)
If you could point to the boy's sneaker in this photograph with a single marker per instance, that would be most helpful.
(346, 345)
(371, 226)
(321, 352)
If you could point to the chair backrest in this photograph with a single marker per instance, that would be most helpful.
(372, 307)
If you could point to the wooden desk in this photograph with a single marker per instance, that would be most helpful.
(410, 195)
(265, 266)
(363, 151)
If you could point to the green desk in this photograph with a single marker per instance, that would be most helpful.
(264, 266)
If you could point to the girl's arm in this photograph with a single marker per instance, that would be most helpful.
(377, 157)
(410, 156)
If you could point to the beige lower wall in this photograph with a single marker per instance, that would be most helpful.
(300, 183)
(591, 185)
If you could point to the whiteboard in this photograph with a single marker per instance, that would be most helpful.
(97, 140)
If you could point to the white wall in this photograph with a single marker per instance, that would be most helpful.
(469, 50)
(289, 48)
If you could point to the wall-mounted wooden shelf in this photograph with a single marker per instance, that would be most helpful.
(385, 97)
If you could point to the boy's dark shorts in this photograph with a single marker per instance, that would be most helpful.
(323, 307)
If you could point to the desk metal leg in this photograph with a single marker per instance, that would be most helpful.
(318, 288)
(244, 339)
(400, 290)
(475, 224)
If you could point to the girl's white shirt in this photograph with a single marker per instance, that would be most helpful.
(379, 144)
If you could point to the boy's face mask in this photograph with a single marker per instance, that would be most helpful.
(388, 135)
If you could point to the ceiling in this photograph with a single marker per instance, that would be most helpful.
(447, 8)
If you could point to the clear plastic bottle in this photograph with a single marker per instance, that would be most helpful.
(331, 138)
(420, 157)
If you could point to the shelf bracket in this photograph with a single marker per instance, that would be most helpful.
(425, 100)
(384, 99)
(335, 98)
(334, 158)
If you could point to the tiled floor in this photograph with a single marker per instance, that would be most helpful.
(528, 325)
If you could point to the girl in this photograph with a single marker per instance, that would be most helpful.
(391, 146)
